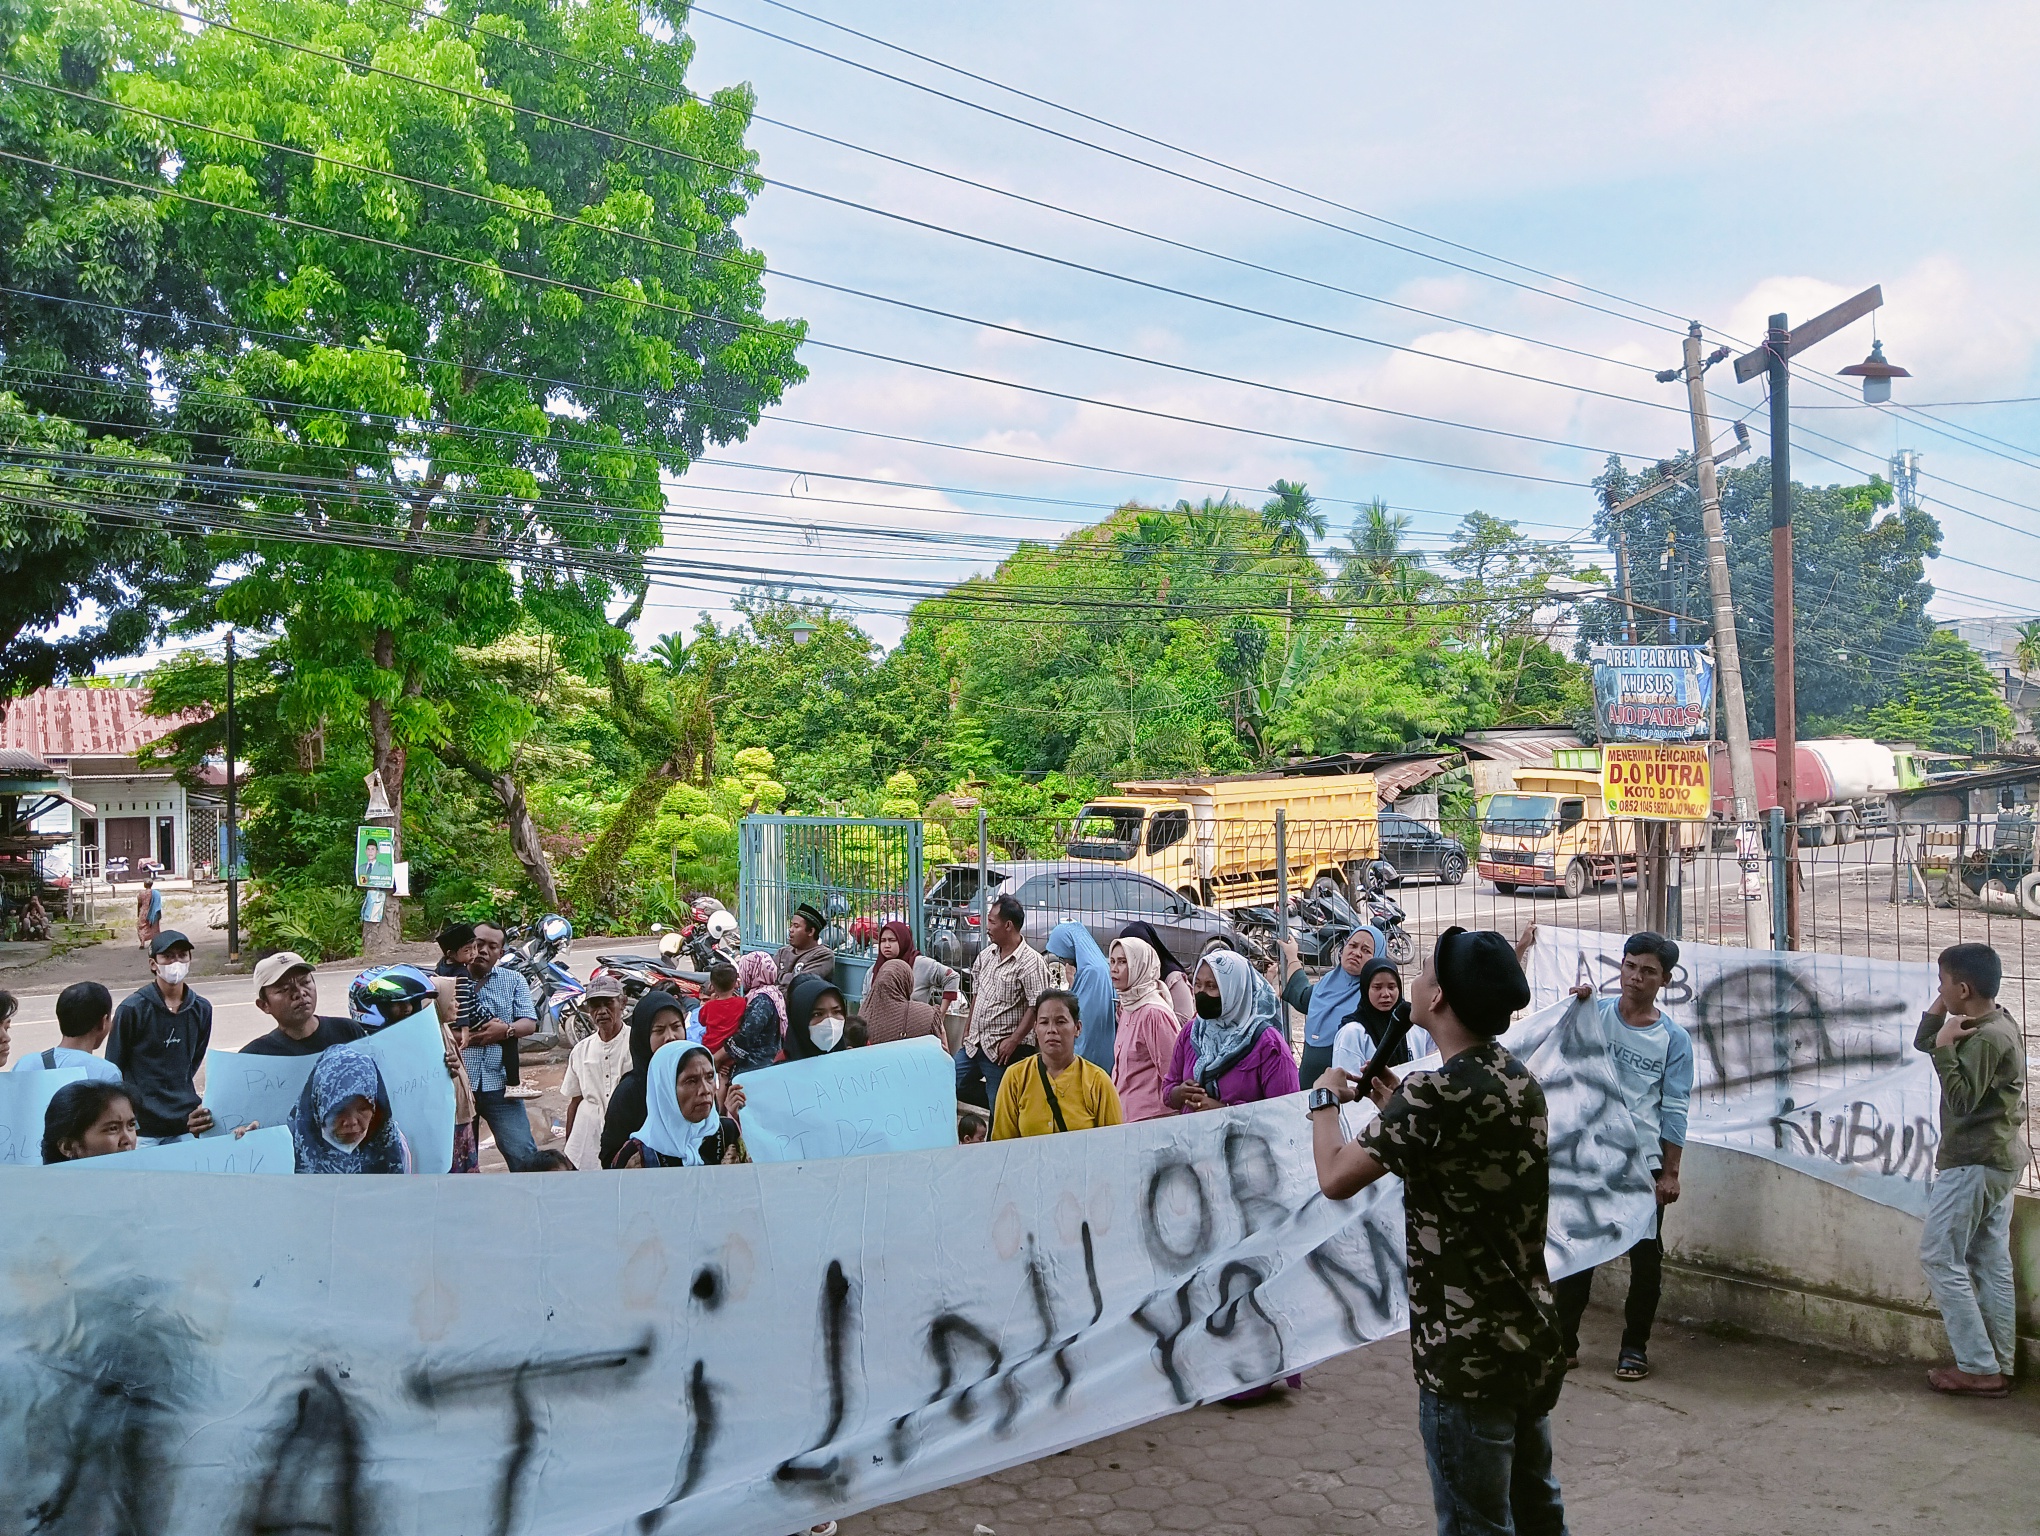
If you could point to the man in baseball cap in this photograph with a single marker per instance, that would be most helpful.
(594, 1067)
(159, 1039)
(287, 989)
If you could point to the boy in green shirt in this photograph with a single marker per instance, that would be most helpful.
(1966, 1247)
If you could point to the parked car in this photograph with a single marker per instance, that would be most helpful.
(1415, 849)
(1102, 897)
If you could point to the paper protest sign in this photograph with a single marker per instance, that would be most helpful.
(24, 1099)
(896, 1097)
(269, 1150)
(1804, 1059)
(410, 1054)
(243, 1088)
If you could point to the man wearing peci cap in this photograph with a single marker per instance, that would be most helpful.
(287, 989)
(804, 953)
(1469, 1141)
(160, 1034)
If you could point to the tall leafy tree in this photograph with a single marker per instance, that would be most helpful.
(1292, 516)
(1859, 580)
(449, 411)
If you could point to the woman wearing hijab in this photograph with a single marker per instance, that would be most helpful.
(1234, 1051)
(1146, 1040)
(1384, 1010)
(890, 1010)
(1175, 980)
(659, 1019)
(343, 1123)
(682, 1128)
(1335, 997)
(818, 1021)
(762, 1030)
(1072, 944)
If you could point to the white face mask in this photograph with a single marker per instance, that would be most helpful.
(174, 971)
(825, 1033)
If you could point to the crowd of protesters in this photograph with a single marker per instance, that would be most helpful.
(1129, 1032)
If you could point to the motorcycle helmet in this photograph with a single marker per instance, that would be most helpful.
(722, 928)
(378, 998)
(555, 930)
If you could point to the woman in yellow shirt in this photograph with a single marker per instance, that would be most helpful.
(1058, 1090)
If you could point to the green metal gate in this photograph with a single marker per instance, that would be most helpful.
(858, 872)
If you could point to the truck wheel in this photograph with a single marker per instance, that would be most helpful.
(1327, 885)
(1577, 879)
(1846, 828)
(1452, 868)
(2029, 895)
(1505, 887)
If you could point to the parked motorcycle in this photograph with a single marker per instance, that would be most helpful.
(538, 955)
(667, 971)
(1386, 913)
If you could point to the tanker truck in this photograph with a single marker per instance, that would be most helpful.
(1841, 784)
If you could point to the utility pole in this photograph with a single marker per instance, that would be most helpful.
(1778, 359)
(1774, 358)
(1727, 648)
(1622, 572)
(231, 853)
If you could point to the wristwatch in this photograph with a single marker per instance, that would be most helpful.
(1322, 1098)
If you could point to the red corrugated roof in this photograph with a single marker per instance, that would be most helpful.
(87, 722)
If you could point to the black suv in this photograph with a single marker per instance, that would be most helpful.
(1414, 849)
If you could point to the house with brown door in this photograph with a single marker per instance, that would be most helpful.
(100, 744)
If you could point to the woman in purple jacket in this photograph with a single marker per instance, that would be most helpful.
(1235, 1050)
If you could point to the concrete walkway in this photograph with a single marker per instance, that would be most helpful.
(1727, 1437)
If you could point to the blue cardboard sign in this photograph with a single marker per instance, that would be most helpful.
(897, 1097)
(24, 1098)
(241, 1088)
(269, 1150)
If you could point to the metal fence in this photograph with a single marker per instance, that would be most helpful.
(858, 873)
(1904, 892)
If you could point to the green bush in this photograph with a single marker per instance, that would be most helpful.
(319, 922)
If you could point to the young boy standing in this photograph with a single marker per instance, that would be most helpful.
(1966, 1246)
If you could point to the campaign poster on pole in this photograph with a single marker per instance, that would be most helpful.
(1652, 692)
(375, 858)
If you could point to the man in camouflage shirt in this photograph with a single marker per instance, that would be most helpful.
(1469, 1142)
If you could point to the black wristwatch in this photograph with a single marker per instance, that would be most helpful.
(1322, 1098)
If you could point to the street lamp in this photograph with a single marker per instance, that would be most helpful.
(802, 630)
(1876, 375)
(1781, 343)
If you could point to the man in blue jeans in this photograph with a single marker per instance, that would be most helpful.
(504, 1011)
(1469, 1142)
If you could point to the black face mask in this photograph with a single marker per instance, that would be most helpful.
(1208, 1007)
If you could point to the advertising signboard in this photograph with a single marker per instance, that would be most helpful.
(1669, 781)
(1652, 692)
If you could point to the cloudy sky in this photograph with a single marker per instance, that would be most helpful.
(1715, 163)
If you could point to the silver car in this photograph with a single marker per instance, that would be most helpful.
(1103, 897)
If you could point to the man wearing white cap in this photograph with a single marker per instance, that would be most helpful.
(287, 989)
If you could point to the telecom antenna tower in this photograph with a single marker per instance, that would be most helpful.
(1905, 478)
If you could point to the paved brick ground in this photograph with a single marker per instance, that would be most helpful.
(1727, 1437)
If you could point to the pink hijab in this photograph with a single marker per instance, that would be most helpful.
(758, 975)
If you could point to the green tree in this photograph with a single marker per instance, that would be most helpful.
(502, 381)
(82, 536)
(2026, 650)
(1945, 697)
(1859, 575)
(1293, 518)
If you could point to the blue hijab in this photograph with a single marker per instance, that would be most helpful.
(1098, 1029)
(666, 1131)
(1336, 995)
(342, 1075)
(1248, 1009)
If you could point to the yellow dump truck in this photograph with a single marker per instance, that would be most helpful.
(1553, 829)
(1213, 840)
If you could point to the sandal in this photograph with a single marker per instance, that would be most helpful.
(1632, 1365)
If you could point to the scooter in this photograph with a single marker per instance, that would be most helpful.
(536, 956)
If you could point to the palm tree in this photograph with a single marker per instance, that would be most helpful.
(669, 653)
(1293, 518)
(2026, 650)
(1376, 561)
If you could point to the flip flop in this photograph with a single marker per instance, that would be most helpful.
(1632, 1366)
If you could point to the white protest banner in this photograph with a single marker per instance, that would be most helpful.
(1805, 1059)
(24, 1099)
(243, 1088)
(896, 1097)
(745, 1349)
(268, 1150)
